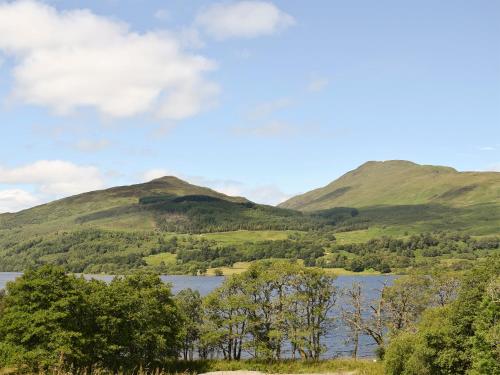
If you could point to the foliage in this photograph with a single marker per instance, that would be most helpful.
(458, 338)
(189, 304)
(266, 305)
(51, 320)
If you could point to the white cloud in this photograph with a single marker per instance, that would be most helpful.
(54, 178)
(243, 19)
(16, 199)
(75, 59)
(487, 148)
(317, 84)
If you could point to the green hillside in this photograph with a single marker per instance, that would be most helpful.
(116, 229)
(412, 196)
(167, 204)
(119, 203)
(176, 227)
(395, 182)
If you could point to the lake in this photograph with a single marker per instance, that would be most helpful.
(335, 341)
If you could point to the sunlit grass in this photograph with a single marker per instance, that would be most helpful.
(242, 236)
(157, 259)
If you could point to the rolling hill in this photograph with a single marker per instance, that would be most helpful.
(174, 226)
(114, 230)
(400, 193)
(397, 182)
(167, 204)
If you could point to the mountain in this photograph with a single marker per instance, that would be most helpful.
(129, 227)
(396, 197)
(115, 230)
(396, 182)
(167, 203)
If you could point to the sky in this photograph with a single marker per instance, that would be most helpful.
(263, 99)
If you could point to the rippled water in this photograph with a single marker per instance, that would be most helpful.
(335, 341)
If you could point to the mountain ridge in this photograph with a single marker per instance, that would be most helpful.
(397, 182)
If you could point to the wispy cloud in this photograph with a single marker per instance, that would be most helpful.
(90, 145)
(487, 148)
(272, 129)
(243, 19)
(162, 14)
(270, 107)
(317, 83)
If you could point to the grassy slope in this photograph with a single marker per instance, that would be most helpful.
(401, 183)
(64, 213)
(425, 198)
(405, 196)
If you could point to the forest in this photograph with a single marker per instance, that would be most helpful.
(433, 323)
(118, 252)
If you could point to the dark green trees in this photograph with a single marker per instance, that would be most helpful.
(461, 337)
(52, 320)
(189, 304)
(45, 320)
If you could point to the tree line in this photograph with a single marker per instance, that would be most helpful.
(433, 323)
(52, 320)
(118, 252)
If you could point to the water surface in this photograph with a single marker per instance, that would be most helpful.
(335, 341)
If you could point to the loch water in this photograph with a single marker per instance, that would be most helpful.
(335, 342)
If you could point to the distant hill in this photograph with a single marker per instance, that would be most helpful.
(396, 182)
(127, 227)
(116, 229)
(395, 197)
(167, 204)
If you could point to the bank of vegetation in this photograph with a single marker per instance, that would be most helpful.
(276, 314)
(118, 252)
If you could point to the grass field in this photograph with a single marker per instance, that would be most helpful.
(240, 267)
(331, 366)
(242, 236)
(155, 260)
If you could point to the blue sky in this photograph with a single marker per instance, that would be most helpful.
(256, 98)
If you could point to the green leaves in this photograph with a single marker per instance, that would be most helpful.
(272, 302)
(52, 320)
(460, 337)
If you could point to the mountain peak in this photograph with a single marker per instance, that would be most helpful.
(400, 182)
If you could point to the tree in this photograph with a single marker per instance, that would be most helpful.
(312, 299)
(352, 315)
(271, 302)
(486, 341)
(226, 311)
(458, 338)
(137, 322)
(46, 321)
(444, 287)
(189, 303)
(405, 301)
